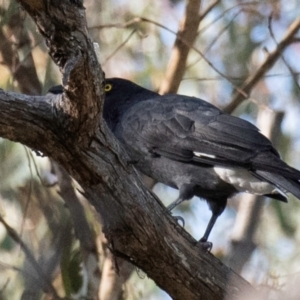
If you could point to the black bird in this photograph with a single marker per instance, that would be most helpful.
(191, 145)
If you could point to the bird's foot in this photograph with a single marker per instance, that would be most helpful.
(205, 245)
(179, 219)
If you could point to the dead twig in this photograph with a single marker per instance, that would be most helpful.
(119, 47)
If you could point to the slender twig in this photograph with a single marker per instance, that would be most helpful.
(224, 29)
(21, 271)
(197, 51)
(239, 78)
(204, 28)
(119, 47)
(292, 72)
(48, 287)
(220, 33)
(271, 58)
(209, 9)
(142, 19)
(29, 191)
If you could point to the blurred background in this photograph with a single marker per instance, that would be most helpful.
(50, 237)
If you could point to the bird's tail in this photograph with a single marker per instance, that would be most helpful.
(272, 169)
(283, 183)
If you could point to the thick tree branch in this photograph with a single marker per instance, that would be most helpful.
(270, 60)
(188, 29)
(186, 35)
(27, 119)
(137, 226)
(64, 28)
(24, 72)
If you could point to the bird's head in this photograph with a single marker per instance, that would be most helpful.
(120, 95)
(119, 89)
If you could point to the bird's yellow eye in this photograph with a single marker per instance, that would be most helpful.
(107, 87)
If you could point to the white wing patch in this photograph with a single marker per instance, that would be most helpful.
(199, 154)
(243, 181)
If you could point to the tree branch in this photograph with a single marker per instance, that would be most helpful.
(186, 35)
(271, 58)
(188, 29)
(64, 29)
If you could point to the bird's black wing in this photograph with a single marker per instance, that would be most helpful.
(190, 129)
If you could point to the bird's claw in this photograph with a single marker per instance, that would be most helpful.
(179, 219)
(205, 245)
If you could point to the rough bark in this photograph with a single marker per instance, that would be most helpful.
(13, 41)
(69, 128)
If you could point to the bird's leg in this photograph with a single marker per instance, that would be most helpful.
(175, 203)
(205, 245)
(185, 193)
(217, 207)
(209, 227)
